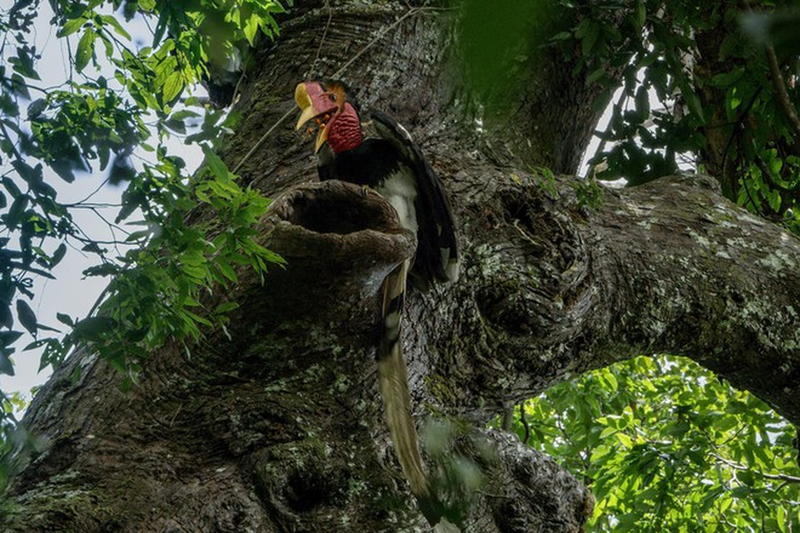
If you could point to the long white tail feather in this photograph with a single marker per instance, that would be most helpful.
(393, 386)
(393, 382)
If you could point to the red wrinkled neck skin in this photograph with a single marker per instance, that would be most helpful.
(344, 130)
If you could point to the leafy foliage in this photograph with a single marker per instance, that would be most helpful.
(101, 119)
(665, 446)
(710, 86)
(10, 433)
(719, 104)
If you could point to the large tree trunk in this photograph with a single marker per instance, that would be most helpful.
(281, 428)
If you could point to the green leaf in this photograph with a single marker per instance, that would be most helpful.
(639, 15)
(595, 75)
(24, 64)
(58, 255)
(129, 206)
(36, 108)
(561, 36)
(693, 101)
(216, 165)
(139, 235)
(26, 316)
(15, 213)
(42, 327)
(85, 49)
(6, 366)
(183, 114)
(94, 328)
(590, 39)
(11, 187)
(172, 87)
(112, 21)
(746, 476)
(728, 78)
(251, 29)
(225, 307)
(70, 27)
(226, 270)
(6, 317)
(7, 338)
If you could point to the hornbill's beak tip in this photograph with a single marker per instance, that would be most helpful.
(303, 100)
(322, 138)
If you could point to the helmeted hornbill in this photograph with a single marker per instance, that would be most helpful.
(394, 166)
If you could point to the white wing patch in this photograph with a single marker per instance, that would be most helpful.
(400, 190)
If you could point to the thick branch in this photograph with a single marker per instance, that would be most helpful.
(670, 267)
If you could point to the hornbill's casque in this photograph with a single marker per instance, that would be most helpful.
(394, 166)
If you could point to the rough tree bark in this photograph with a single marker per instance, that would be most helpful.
(280, 427)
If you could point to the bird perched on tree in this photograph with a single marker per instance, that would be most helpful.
(394, 166)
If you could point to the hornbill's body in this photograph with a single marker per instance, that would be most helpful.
(394, 167)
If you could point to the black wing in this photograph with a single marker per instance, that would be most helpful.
(437, 249)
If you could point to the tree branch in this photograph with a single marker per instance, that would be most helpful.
(784, 101)
(777, 477)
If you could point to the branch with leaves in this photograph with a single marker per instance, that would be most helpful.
(100, 120)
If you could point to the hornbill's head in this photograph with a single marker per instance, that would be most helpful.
(329, 105)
